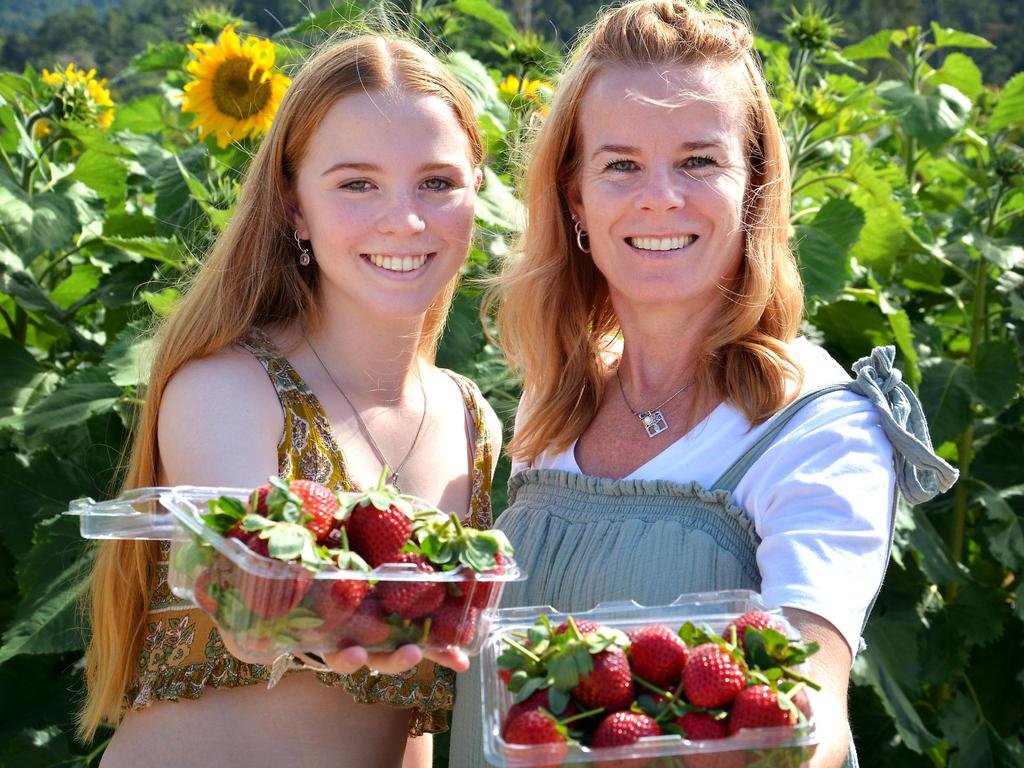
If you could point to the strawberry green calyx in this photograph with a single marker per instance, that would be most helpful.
(447, 543)
(224, 513)
(381, 496)
(345, 558)
(286, 540)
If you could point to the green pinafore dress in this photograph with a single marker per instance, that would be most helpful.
(584, 540)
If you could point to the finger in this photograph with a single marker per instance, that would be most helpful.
(348, 660)
(453, 658)
(400, 660)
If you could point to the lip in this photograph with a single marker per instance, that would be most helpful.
(393, 275)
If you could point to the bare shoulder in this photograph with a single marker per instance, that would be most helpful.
(220, 422)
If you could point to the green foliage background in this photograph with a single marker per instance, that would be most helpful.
(907, 172)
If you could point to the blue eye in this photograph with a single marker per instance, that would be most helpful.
(437, 184)
(621, 165)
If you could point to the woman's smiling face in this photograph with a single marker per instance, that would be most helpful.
(385, 193)
(660, 190)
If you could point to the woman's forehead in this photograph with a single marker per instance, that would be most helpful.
(702, 98)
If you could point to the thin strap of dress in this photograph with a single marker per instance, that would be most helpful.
(482, 454)
(920, 474)
(307, 448)
(732, 476)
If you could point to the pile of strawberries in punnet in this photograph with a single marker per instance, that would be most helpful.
(597, 686)
(362, 569)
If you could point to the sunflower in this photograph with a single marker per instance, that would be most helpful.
(236, 91)
(78, 94)
(537, 91)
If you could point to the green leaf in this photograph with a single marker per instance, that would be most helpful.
(479, 85)
(977, 613)
(932, 119)
(128, 356)
(165, 250)
(497, 206)
(83, 279)
(886, 223)
(103, 173)
(985, 748)
(960, 71)
(946, 394)
(20, 374)
(874, 47)
(144, 115)
(52, 578)
(889, 661)
(929, 548)
(162, 303)
(160, 58)
(946, 37)
(44, 222)
(823, 248)
(490, 15)
(1009, 109)
(996, 374)
(80, 396)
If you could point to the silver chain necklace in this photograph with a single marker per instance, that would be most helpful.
(652, 419)
(396, 471)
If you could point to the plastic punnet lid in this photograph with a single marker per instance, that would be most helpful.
(135, 514)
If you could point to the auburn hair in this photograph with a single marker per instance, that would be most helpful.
(562, 354)
(250, 277)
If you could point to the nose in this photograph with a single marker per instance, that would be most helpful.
(401, 216)
(662, 190)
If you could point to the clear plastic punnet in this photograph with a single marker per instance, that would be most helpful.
(779, 747)
(266, 607)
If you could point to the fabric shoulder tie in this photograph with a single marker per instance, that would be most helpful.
(920, 474)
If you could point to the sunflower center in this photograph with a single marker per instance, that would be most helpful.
(235, 94)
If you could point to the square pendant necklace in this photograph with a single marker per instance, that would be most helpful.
(653, 419)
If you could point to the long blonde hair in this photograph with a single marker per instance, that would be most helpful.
(251, 277)
(555, 317)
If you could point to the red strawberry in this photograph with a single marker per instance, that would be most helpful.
(479, 592)
(258, 500)
(758, 707)
(712, 677)
(273, 598)
(452, 624)
(583, 626)
(620, 729)
(204, 598)
(251, 539)
(366, 625)
(609, 684)
(756, 619)
(658, 655)
(318, 501)
(538, 700)
(505, 675)
(700, 726)
(378, 534)
(412, 599)
(535, 726)
(335, 600)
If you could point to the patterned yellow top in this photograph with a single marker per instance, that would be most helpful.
(183, 653)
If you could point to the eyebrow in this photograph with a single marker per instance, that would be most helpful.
(371, 167)
(625, 149)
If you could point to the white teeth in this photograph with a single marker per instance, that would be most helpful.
(398, 263)
(661, 243)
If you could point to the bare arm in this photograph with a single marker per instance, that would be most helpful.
(830, 667)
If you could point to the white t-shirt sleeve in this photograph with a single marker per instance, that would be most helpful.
(821, 497)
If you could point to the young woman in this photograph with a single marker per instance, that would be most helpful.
(305, 348)
(675, 435)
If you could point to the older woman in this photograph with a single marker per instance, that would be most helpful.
(675, 434)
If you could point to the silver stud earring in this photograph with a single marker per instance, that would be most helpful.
(304, 255)
(580, 234)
